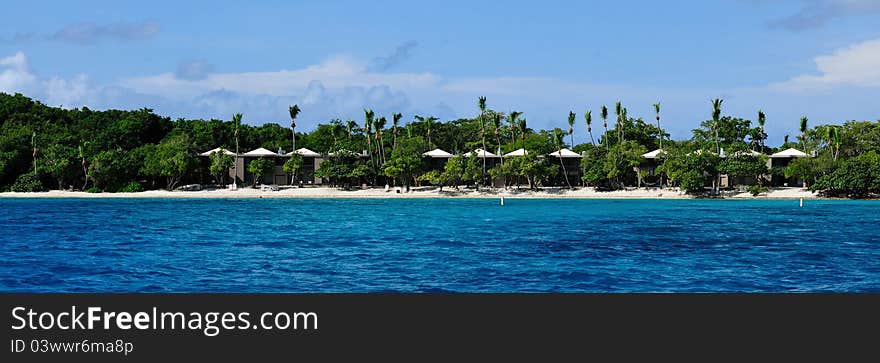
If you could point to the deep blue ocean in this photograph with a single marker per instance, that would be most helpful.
(437, 245)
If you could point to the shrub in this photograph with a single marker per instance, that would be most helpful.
(755, 190)
(93, 190)
(27, 183)
(132, 187)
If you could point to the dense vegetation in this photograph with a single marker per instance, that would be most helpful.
(44, 147)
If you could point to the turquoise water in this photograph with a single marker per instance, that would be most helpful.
(437, 245)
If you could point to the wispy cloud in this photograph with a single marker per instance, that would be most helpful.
(817, 13)
(194, 70)
(90, 33)
(400, 54)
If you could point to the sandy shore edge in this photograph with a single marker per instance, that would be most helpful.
(423, 192)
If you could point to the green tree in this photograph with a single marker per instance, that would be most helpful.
(172, 159)
(741, 164)
(60, 162)
(657, 116)
(220, 164)
(259, 168)
(588, 116)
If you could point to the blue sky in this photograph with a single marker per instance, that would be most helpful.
(791, 58)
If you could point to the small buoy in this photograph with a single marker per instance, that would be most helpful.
(502, 201)
(802, 202)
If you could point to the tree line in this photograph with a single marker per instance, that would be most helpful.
(43, 147)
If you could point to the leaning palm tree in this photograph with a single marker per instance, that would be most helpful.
(236, 122)
(571, 118)
(588, 116)
(395, 121)
(761, 120)
(660, 130)
(512, 119)
(481, 103)
(558, 139)
(604, 115)
(294, 111)
(380, 132)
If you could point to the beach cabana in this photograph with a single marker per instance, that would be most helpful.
(781, 160)
(645, 172)
(517, 152)
(480, 153)
(572, 166)
(278, 176)
(218, 149)
(311, 161)
(437, 159)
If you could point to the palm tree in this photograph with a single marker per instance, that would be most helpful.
(368, 129)
(571, 118)
(380, 132)
(294, 111)
(34, 146)
(395, 121)
(429, 126)
(236, 122)
(481, 103)
(588, 116)
(834, 136)
(85, 167)
(604, 115)
(761, 120)
(523, 128)
(350, 125)
(618, 110)
(804, 133)
(716, 119)
(512, 119)
(657, 113)
(496, 121)
(557, 139)
(622, 126)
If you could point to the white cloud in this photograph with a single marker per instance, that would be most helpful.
(14, 74)
(856, 65)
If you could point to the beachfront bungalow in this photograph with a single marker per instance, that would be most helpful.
(781, 160)
(437, 159)
(277, 176)
(491, 160)
(517, 152)
(727, 181)
(310, 162)
(570, 162)
(207, 160)
(646, 169)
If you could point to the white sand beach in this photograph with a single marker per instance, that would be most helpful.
(418, 192)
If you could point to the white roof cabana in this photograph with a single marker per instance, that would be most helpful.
(750, 153)
(518, 152)
(216, 150)
(260, 152)
(481, 154)
(303, 152)
(438, 154)
(653, 154)
(565, 153)
(790, 153)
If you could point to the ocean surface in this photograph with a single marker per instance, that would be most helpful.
(438, 245)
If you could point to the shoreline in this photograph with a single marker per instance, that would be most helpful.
(421, 192)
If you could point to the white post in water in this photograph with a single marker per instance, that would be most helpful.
(802, 201)
(502, 201)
